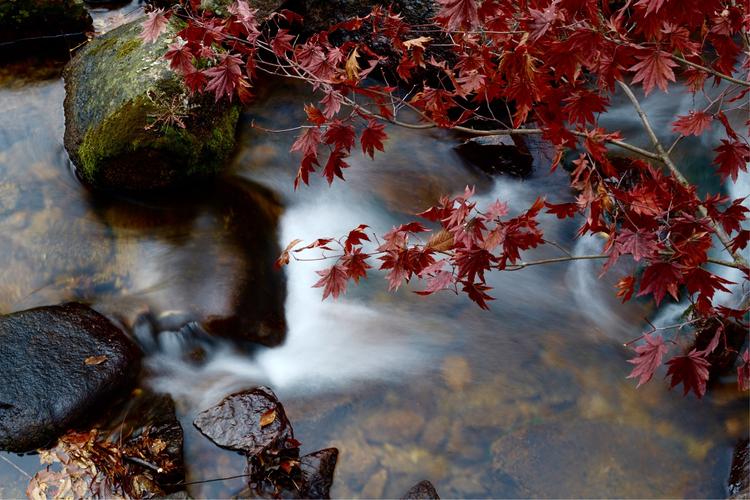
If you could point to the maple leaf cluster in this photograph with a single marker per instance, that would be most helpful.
(553, 65)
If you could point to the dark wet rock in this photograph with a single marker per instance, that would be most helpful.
(235, 423)
(120, 95)
(317, 471)
(48, 24)
(722, 359)
(422, 490)
(152, 439)
(498, 154)
(313, 477)
(739, 475)
(133, 452)
(46, 383)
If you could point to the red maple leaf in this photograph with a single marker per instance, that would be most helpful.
(372, 138)
(195, 81)
(455, 14)
(356, 237)
(563, 210)
(740, 241)
(733, 156)
(225, 77)
(333, 281)
(658, 279)
(306, 167)
(743, 371)
(651, 6)
(541, 20)
(654, 70)
(281, 42)
(583, 104)
(691, 370)
(625, 287)
(648, 360)
(314, 115)
(180, 58)
(694, 123)
(355, 264)
(340, 135)
(331, 104)
(437, 278)
(639, 244)
(154, 25)
(307, 142)
(335, 165)
(477, 292)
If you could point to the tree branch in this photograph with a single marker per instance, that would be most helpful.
(712, 71)
(516, 267)
(723, 237)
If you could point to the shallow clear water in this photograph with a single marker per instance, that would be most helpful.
(528, 399)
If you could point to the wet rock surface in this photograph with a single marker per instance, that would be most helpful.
(422, 490)
(120, 108)
(317, 471)
(254, 423)
(739, 475)
(498, 154)
(250, 422)
(137, 454)
(58, 363)
(152, 439)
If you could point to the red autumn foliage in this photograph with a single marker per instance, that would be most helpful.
(554, 65)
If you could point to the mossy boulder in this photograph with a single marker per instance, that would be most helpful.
(130, 123)
(58, 21)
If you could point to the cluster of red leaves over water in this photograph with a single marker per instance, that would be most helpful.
(555, 63)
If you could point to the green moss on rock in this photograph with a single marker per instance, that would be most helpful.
(119, 101)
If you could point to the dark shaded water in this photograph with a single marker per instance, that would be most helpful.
(529, 399)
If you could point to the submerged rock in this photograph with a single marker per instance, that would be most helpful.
(131, 124)
(422, 490)
(48, 23)
(498, 154)
(739, 475)
(250, 422)
(58, 363)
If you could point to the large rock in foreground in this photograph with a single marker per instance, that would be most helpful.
(59, 21)
(57, 364)
(129, 121)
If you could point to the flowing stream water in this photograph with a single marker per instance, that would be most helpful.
(528, 399)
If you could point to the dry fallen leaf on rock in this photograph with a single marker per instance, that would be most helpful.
(268, 417)
(95, 360)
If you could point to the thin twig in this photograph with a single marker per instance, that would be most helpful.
(516, 267)
(15, 466)
(209, 480)
(712, 71)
